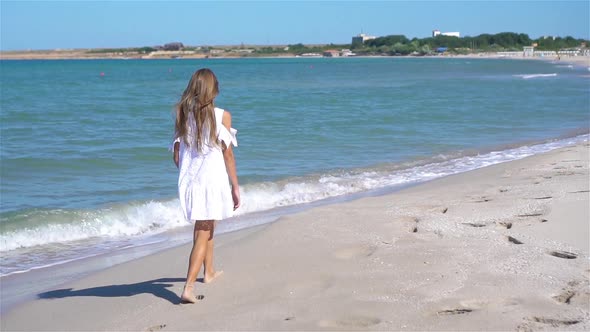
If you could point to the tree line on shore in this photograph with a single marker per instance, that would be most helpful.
(505, 41)
(400, 45)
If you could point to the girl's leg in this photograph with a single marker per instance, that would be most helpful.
(210, 272)
(201, 236)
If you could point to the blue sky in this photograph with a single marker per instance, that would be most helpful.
(88, 24)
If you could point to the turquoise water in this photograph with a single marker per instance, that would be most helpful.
(85, 160)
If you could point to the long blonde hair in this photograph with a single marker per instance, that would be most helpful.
(198, 99)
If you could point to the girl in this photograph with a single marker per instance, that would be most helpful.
(204, 156)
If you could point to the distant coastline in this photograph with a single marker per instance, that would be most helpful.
(504, 45)
(92, 54)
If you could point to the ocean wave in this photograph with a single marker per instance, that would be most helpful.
(66, 225)
(529, 76)
(135, 219)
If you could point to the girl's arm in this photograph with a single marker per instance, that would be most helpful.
(176, 149)
(230, 163)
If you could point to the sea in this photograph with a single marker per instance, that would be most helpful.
(86, 169)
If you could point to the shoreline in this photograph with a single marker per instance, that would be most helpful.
(330, 241)
(269, 215)
(582, 61)
(73, 269)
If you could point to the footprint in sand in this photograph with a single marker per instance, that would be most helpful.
(505, 224)
(555, 322)
(526, 215)
(543, 197)
(352, 322)
(355, 252)
(474, 224)
(531, 215)
(458, 311)
(578, 192)
(413, 221)
(513, 240)
(563, 254)
(573, 288)
(156, 328)
(565, 296)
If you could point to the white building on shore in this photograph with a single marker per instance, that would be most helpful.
(451, 34)
(528, 51)
(361, 38)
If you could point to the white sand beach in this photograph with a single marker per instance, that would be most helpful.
(503, 248)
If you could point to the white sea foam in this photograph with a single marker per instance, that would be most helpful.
(266, 196)
(529, 76)
(124, 221)
(156, 217)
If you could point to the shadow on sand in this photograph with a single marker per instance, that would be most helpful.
(157, 287)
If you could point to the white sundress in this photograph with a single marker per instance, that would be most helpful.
(203, 184)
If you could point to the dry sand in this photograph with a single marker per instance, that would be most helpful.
(500, 248)
(577, 60)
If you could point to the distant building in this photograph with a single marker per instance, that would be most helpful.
(311, 55)
(509, 54)
(346, 52)
(336, 53)
(243, 50)
(331, 53)
(361, 38)
(545, 53)
(173, 47)
(528, 51)
(450, 34)
(571, 52)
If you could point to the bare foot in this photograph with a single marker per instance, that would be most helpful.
(187, 295)
(209, 278)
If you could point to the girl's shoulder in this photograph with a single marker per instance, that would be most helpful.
(219, 113)
(222, 115)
